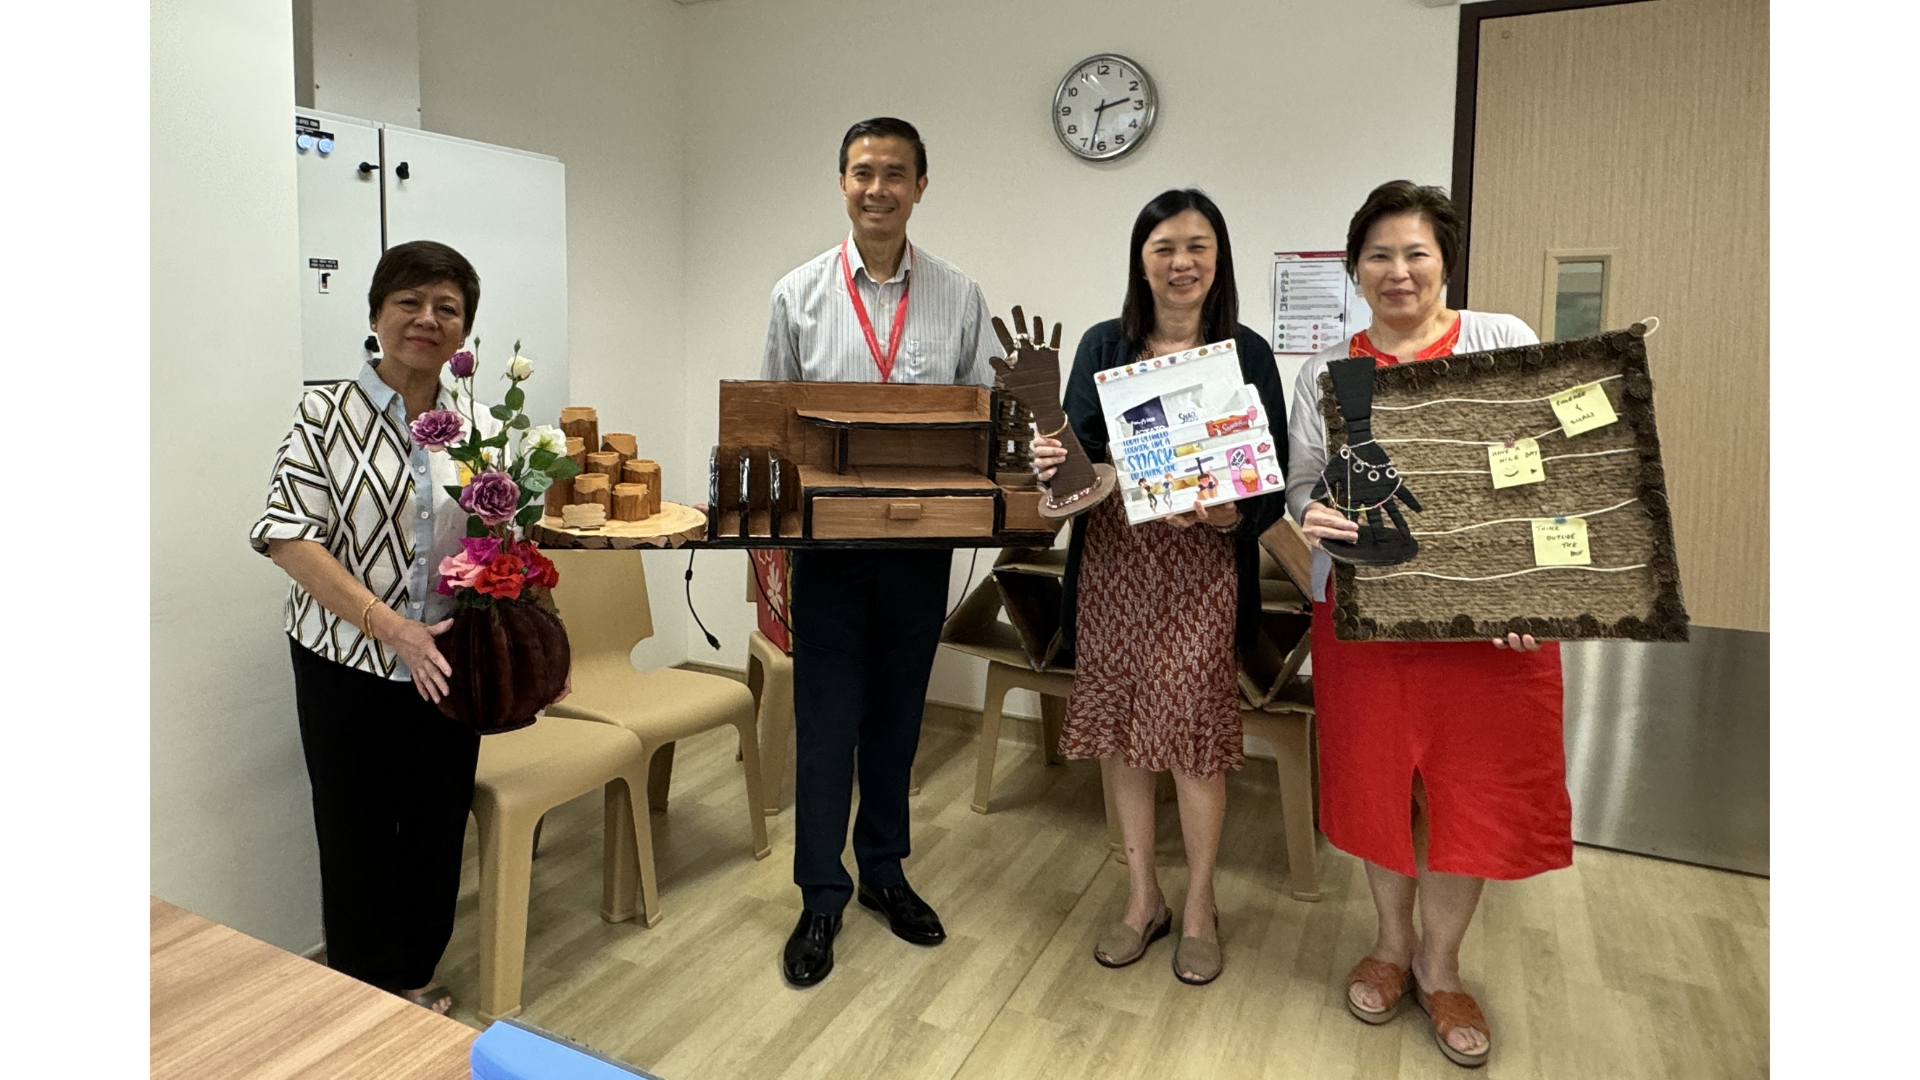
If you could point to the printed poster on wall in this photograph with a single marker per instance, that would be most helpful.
(1315, 304)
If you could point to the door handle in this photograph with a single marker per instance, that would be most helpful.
(372, 344)
(402, 171)
(903, 511)
(367, 167)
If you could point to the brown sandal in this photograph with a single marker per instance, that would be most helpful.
(1451, 1010)
(1390, 981)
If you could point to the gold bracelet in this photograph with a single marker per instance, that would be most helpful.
(365, 626)
(1056, 431)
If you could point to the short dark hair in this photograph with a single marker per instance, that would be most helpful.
(886, 127)
(422, 262)
(1396, 197)
(1220, 313)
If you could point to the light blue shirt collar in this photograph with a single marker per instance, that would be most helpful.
(860, 266)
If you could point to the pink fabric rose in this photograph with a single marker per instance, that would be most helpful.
(460, 571)
(491, 495)
(461, 364)
(437, 429)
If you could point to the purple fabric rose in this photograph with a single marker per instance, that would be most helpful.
(437, 429)
(492, 495)
(461, 365)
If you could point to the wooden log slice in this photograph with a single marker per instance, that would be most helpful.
(672, 527)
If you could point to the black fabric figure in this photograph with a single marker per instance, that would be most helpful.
(1363, 478)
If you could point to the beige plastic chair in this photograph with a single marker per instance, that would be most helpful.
(521, 775)
(770, 680)
(603, 600)
(1286, 724)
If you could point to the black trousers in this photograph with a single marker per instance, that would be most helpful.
(392, 785)
(866, 627)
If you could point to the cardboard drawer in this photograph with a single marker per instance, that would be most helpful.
(837, 517)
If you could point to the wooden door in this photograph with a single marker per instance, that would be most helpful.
(1636, 134)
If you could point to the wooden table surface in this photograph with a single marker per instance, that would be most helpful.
(227, 1005)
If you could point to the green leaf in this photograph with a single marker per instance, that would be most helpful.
(497, 440)
(562, 468)
(536, 482)
(476, 527)
(541, 459)
(516, 398)
(520, 422)
(529, 515)
(453, 490)
(501, 412)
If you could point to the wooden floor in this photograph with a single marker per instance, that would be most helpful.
(1619, 967)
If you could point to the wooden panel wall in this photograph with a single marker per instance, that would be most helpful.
(1642, 128)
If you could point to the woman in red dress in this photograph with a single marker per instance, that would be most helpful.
(1441, 763)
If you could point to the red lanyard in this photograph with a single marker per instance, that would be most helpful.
(884, 363)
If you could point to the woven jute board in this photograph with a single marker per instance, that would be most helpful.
(1401, 603)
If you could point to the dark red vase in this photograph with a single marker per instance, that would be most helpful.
(509, 660)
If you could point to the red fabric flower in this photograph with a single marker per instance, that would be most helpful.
(540, 569)
(503, 577)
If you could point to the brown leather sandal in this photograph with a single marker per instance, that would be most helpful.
(1390, 981)
(1451, 1010)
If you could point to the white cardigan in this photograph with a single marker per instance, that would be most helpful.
(1307, 429)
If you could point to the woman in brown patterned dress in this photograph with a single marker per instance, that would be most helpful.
(1154, 612)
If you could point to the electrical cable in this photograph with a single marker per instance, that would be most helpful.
(711, 640)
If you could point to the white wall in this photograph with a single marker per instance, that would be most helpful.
(232, 825)
(601, 85)
(364, 60)
(1286, 111)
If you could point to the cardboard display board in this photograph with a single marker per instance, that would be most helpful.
(1544, 499)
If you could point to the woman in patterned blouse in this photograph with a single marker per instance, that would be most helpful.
(358, 516)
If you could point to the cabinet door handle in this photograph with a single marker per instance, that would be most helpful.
(402, 171)
(367, 167)
(903, 511)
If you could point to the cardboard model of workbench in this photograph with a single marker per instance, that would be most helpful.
(830, 464)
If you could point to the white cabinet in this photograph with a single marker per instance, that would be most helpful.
(504, 209)
(339, 239)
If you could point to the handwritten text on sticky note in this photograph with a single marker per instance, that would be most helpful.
(1516, 463)
(1583, 408)
(1561, 542)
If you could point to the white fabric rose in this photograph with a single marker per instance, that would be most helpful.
(545, 437)
(520, 367)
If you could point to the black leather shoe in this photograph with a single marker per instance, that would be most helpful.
(909, 916)
(809, 955)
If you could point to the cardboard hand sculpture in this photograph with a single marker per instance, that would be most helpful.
(1361, 478)
(1030, 371)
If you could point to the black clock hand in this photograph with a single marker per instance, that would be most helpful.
(1101, 108)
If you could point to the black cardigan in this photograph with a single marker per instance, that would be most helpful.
(1102, 347)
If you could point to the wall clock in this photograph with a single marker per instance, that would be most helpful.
(1104, 107)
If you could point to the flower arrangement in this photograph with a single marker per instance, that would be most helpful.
(492, 564)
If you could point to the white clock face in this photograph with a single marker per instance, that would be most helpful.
(1104, 107)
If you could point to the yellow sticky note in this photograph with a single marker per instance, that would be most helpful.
(1583, 408)
(1561, 542)
(1516, 463)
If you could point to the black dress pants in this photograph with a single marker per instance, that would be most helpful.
(392, 785)
(866, 627)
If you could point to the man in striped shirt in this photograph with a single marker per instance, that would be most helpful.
(867, 622)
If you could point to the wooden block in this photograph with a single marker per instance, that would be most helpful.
(622, 443)
(581, 422)
(559, 496)
(607, 463)
(630, 502)
(584, 516)
(645, 471)
(591, 487)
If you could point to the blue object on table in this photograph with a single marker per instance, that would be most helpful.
(511, 1050)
